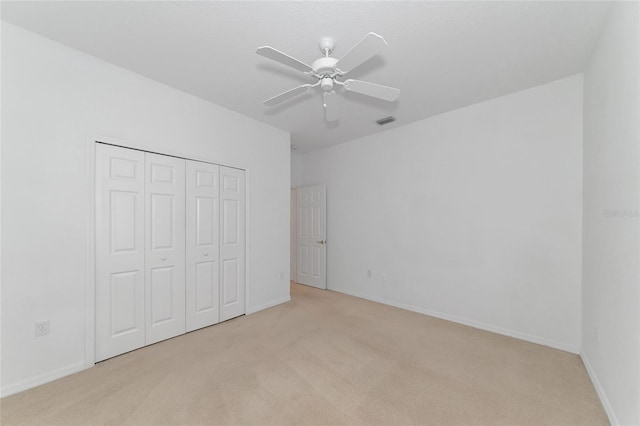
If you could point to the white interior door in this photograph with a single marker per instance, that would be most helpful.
(203, 270)
(232, 243)
(312, 236)
(119, 250)
(165, 247)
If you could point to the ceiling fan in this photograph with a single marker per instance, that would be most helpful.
(329, 72)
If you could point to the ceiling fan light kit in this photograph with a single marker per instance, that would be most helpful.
(328, 72)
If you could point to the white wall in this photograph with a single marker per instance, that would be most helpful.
(611, 250)
(473, 215)
(296, 170)
(55, 100)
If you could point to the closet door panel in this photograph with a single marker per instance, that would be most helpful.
(165, 247)
(119, 250)
(232, 248)
(203, 286)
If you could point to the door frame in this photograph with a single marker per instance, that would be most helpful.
(293, 235)
(90, 227)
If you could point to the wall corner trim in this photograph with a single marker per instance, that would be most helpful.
(600, 390)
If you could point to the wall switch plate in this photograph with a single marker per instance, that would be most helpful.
(368, 273)
(384, 277)
(42, 328)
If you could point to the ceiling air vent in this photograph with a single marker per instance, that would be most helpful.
(386, 120)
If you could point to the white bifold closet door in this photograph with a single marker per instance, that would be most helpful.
(170, 247)
(140, 246)
(120, 250)
(232, 245)
(203, 242)
(165, 247)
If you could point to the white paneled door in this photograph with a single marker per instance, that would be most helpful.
(232, 244)
(203, 241)
(120, 275)
(165, 247)
(170, 247)
(312, 236)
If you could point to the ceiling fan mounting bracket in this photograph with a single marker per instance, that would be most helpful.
(326, 45)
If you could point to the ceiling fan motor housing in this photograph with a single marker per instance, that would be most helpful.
(325, 66)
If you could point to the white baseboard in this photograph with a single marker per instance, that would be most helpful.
(471, 323)
(41, 379)
(74, 368)
(600, 390)
(267, 305)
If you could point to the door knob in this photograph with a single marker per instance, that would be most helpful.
(206, 254)
(321, 242)
(163, 258)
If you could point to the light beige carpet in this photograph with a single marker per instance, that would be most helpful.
(323, 359)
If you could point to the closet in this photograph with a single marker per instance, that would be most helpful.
(170, 251)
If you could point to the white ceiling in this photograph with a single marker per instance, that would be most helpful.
(442, 55)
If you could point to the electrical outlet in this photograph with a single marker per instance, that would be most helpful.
(42, 328)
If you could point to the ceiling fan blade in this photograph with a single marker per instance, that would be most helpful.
(369, 46)
(283, 58)
(379, 91)
(331, 106)
(288, 94)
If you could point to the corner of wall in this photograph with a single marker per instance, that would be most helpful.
(610, 290)
(606, 404)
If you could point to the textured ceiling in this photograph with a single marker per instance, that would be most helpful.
(442, 55)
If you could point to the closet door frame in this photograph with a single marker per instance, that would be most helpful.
(90, 243)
